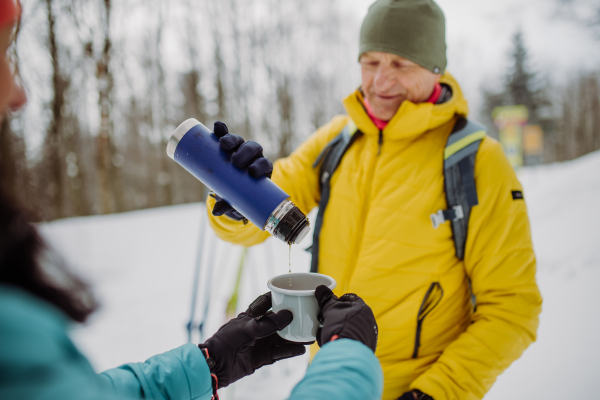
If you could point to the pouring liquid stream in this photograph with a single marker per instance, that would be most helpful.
(290, 262)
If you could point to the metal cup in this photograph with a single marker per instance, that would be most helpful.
(296, 293)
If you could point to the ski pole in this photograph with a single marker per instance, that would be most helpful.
(195, 281)
(210, 265)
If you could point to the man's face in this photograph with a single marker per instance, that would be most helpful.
(12, 95)
(388, 80)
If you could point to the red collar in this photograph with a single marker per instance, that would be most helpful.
(435, 96)
(10, 11)
(381, 124)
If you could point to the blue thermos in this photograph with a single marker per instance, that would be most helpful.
(262, 202)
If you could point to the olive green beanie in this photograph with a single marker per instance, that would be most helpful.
(413, 29)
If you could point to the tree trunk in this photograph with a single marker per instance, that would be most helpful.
(108, 159)
(53, 162)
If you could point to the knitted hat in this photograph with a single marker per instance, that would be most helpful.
(10, 11)
(412, 29)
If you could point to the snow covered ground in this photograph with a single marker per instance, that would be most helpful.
(142, 263)
(564, 208)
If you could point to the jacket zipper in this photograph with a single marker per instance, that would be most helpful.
(430, 301)
(363, 221)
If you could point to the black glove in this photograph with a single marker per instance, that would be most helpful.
(347, 317)
(248, 342)
(246, 155)
(411, 396)
(222, 207)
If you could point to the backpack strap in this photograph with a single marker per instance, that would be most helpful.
(329, 159)
(459, 180)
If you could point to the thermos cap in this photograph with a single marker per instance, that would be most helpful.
(181, 130)
(302, 234)
(287, 223)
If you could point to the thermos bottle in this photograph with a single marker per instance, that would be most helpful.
(262, 202)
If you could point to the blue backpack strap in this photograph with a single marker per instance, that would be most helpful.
(329, 160)
(459, 180)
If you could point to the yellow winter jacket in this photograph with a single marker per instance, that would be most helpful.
(377, 241)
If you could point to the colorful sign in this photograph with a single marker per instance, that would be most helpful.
(533, 140)
(510, 121)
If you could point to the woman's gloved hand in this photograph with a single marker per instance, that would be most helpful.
(348, 317)
(248, 342)
(245, 155)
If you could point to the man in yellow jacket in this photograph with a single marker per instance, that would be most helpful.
(377, 238)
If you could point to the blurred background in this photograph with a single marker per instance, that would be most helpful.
(108, 82)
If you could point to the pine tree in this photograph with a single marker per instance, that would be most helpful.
(522, 86)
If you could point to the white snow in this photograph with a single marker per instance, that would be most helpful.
(564, 207)
(141, 265)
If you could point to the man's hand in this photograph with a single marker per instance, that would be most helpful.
(245, 155)
(347, 317)
(250, 341)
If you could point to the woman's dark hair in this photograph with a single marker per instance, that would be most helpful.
(26, 262)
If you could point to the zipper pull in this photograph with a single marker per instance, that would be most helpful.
(380, 141)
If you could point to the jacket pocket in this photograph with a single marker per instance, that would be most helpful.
(430, 301)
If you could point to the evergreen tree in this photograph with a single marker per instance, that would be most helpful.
(522, 86)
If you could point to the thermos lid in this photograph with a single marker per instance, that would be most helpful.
(181, 130)
(302, 234)
(287, 223)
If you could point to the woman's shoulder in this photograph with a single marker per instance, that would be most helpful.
(19, 307)
(37, 357)
(30, 328)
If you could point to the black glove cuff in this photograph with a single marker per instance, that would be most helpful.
(422, 396)
(211, 366)
(229, 211)
(411, 395)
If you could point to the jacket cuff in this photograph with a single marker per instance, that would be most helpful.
(179, 373)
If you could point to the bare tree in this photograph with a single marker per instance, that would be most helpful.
(164, 178)
(15, 176)
(285, 102)
(578, 132)
(221, 99)
(108, 159)
(114, 96)
(51, 170)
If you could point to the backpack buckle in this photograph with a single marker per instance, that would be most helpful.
(437, 219)
(454, 214)
(458, 213)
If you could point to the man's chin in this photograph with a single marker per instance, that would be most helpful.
(385, 113)
(384, 109)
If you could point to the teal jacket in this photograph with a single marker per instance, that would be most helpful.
(38, 360)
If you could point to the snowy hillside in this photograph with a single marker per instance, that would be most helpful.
(141, 265)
